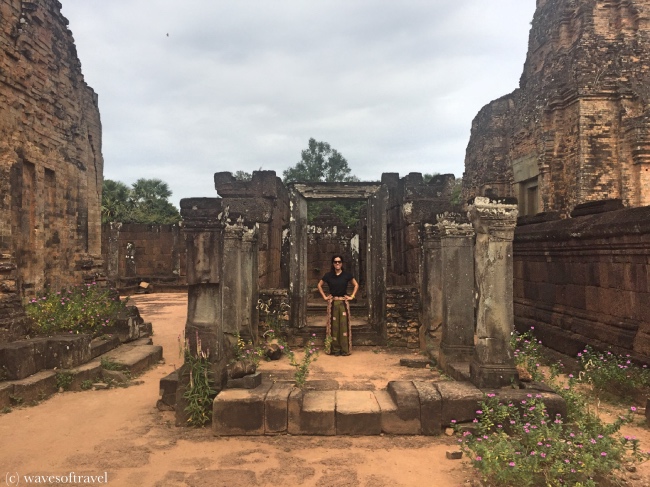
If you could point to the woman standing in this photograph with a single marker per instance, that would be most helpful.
(338, 308)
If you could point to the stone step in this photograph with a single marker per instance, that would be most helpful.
(404, 408)
(134, 357)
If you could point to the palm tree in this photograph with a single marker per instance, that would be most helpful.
(149, 190)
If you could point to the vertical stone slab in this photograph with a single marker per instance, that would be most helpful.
(431, 279)
(494, 221)
(203, 232)
(249, 285)
(231, 282)
(298, 258)
(112, 256)
(457, 268)
(376, 258)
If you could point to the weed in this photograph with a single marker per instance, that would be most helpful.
(86, 385)
(528, 353)
(612, 377)
(88, 308)
(274, 317)
(328, 344)
(4, 373)
(64, 380)
(199, 393)
(519, 444)
(108, 363)
(16, 400)
(6, 410)
(310, 354)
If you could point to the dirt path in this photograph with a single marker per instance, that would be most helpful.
(120, 432)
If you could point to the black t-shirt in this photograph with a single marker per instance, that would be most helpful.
(338, 284)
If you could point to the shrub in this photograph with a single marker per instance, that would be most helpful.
(88, 308)
(64, 380)
(519, 444)
(199, 392)
(310, 354)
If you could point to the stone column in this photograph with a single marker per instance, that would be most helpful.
(431, 279)
(249, 286)
(112, 256)
(203, 231)
(231, 283)
(494, 220)
(457, 268)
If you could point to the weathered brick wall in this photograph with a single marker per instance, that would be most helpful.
(586, 280)
(152, 253)
(579, 123)
(50, 154)
(412, 203)
(402, 316)
(263, 200)
(327, 236)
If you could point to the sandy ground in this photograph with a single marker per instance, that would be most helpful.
(120, 432)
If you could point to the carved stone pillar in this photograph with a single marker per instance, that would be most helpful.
(494, 221)
(249, 286)
(231, 282)
(203, 231)
(457, 269)
(431, 279)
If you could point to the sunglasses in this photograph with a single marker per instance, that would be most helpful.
(338, 262)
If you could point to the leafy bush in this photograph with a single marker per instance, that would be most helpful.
(88, 308)
(519, 444)
(199, 393)
(611, 375)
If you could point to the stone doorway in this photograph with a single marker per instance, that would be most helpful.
(366, 253)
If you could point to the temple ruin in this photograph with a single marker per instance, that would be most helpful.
(51, 166)
(577, 128)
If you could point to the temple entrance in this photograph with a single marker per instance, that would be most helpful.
(363, 249)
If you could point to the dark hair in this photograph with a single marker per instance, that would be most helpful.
(334, 257)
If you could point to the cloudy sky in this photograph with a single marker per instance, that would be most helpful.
(190, 88)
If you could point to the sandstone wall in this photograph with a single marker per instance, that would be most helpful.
(152, 253)
(586, 280)
(577, 128)
(50, 155)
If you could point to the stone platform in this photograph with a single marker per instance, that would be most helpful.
(403, 408)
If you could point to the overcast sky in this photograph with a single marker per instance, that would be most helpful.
(188, 88)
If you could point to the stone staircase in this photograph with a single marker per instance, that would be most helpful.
(34, 369)
(403, 408)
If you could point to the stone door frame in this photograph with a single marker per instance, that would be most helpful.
(376, 195)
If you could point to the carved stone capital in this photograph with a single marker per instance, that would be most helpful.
(494, 218)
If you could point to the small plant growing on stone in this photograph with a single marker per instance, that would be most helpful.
(86, 385)
(109, 364)
(328, 344)
(274, 318)
(16, 400)
(64, 380)
(310, 354)
(528, 353)
(88, 308)
(199, 393)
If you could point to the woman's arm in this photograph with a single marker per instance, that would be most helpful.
(320, 288)
(356, 288)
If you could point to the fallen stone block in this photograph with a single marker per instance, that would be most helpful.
(454, 454)
(6, 392)
(415, 363)
(357, 413)
(430, 408)
(66, 352)
(20, 359)
(276, 408)
(250, 381)
(136, 359)
(312, 413)
(100, 346)
(239, 411)
(168, 386)
(391, 423)
(86, 373)
(554, 403)
(460, 401)
(406, 397)
(34, 388)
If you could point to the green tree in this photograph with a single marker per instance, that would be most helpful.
(319, 163)
(243, 176)
(145, 202)
(116, 202)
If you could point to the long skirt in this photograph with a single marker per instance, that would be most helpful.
(338, 328)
